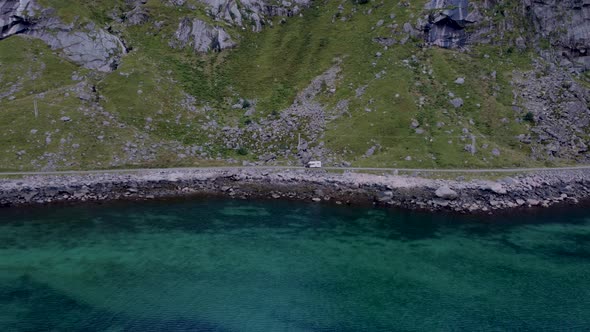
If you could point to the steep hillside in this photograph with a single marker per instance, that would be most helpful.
(442, 83)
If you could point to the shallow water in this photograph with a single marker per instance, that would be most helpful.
(215, 265)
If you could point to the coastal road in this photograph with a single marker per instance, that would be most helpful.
(371, 169)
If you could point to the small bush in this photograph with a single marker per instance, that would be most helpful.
(529, 117)
(243, 151)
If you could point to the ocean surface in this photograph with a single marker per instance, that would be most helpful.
(217, 265)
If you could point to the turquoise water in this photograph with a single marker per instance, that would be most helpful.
(215, 265)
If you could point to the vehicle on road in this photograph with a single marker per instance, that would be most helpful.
(314, 164)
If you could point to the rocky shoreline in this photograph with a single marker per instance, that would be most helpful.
(475, 196)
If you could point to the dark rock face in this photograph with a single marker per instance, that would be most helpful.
(447, 21)
(566, 24)
(13, 15)
(90, 46)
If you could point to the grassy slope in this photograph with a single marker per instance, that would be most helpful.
(270, 67)
(274, 65)
(52, 90)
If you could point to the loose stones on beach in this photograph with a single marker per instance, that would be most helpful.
(536, 189)
(446, 193)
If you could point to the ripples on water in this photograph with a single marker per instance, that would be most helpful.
(282, 266)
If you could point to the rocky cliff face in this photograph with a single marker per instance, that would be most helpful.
(13, 16)
(201, 37)
(12, 13)
(559, 31)
(255, 14)
(566, 24)
(89, 46)
(447, 20)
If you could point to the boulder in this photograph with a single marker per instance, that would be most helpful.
(533, 202)
(446, 192)
(497, 188)
(384, 196)
(457, 102)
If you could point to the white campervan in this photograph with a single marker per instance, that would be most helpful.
(314, 164)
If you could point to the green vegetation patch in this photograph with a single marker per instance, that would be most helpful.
(391, 105)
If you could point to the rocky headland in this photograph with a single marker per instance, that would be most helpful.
(540, 189)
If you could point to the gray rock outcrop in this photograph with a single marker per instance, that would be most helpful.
(201, 36)
(457, 102)
(13, 14)
(256, 12)
(447, 21)
(91, 47)
(137, 13)
(566, 24)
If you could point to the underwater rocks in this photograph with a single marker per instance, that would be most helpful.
(535, 189)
